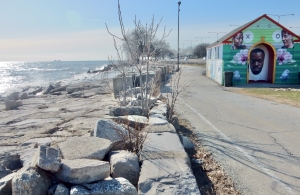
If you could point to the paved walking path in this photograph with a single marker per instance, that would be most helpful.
(256, 141)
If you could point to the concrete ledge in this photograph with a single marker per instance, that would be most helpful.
(163, 146)
(167, 176)
(160, 128)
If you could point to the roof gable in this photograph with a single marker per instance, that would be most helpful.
(261, 26)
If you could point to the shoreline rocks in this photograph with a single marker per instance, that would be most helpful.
(61, 143)
(80, 171)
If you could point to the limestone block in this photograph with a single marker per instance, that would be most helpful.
(163, 107)
(58, 189)
(152, 100)
(83, 171)
(38, 90)
(125, 164)
(160, 128)
(14, 96)
(118, 84)
(163, 146)
(124, 111)
(19, 103)
(47, 158)
(48, 89)
(72, 89)
(186, 142)
(24, 96)
(5, 184)
(26, 155)
(85, 147)
(157, 121)
(132, 120)
(108, 129)
(170, 176)
(10, 104)
(158, 116)
(31, 180)
(76, 94)
(63, 88)
(137, 82)
(117, 186)
(62, 190)
(157, 110)
(56, 93)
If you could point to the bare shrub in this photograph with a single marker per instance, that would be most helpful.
(177, 86)
(133, 139)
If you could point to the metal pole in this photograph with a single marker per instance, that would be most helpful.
(179, 2)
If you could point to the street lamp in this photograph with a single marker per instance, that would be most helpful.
(191, 42)
(201, 38)
(217, 34)
(280, 15)
(179, 2)
(183, 48)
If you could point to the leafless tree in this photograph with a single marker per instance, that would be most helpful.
(140, 48)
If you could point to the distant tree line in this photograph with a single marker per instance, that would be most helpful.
(200, 50)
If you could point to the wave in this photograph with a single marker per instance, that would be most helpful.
(15, 76)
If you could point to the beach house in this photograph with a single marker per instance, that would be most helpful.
(260, 51)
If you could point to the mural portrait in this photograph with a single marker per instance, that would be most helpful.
(237, 41)
(287, 40)
(258, 63)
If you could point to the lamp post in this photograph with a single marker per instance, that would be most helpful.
(183, 48)
(280, 15)
(179, 2)
(201, 38)
(191, 42)
(217, 34)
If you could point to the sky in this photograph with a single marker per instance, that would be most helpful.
(74, 30)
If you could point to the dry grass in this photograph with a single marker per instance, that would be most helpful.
(287, 96)
(210, 176)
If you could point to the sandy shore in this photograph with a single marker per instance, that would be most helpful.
(50, 118)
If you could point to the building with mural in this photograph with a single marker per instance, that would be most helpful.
(259, 51)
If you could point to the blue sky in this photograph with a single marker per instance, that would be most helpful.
(41, 30)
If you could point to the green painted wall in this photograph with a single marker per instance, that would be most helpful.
(229, 65)
(293, 67)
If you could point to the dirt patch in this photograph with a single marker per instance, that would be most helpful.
(210, 176)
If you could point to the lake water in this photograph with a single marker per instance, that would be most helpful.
(16, 76)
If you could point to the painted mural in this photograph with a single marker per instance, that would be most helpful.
(258, 42)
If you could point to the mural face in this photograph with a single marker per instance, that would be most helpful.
(237, 41)
(257, 57)
(287, 39)
(258, 63)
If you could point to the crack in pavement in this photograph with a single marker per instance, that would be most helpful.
(286, 150)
